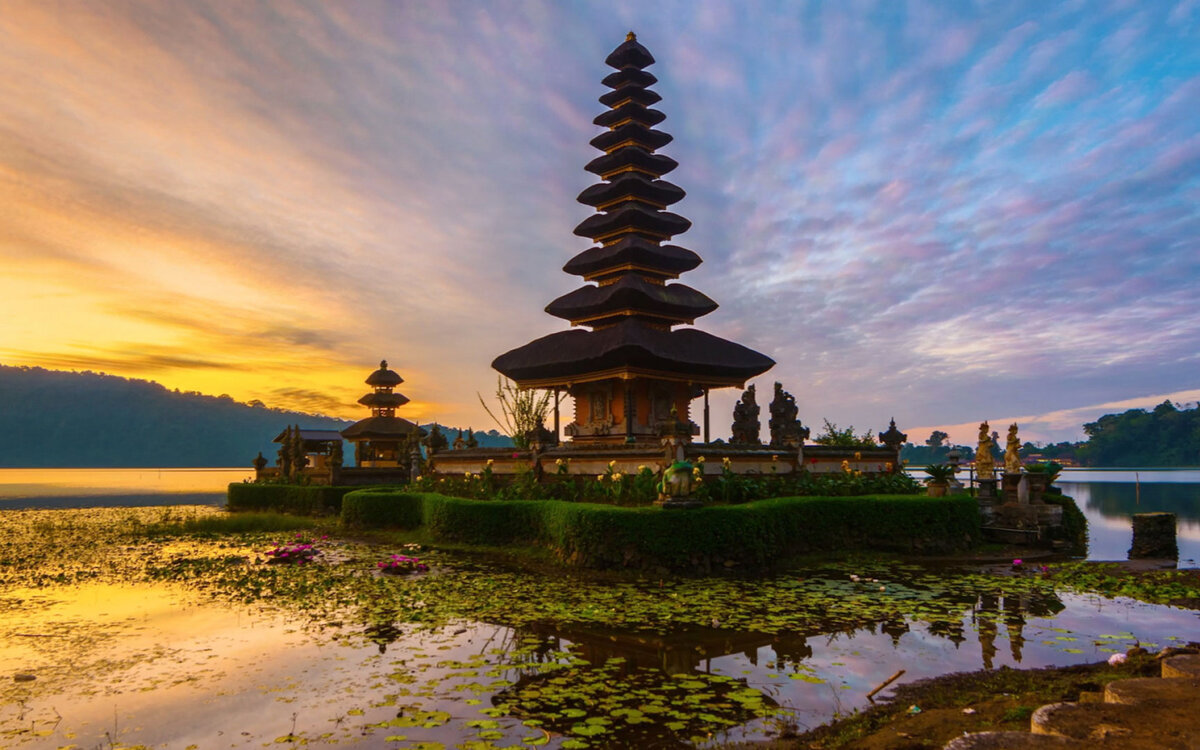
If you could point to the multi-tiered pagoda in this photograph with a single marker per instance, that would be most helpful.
(636, 364)
(380, 440)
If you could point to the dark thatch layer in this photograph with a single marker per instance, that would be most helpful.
(631, 156)
(632, 185)
(628, 76)
(641, 135)
(381, 427)
(629, 111)
(672, 260)
(632, 292)
(630, 54)
(384, 377)
(687, 352)
(636, 217)
(383, 400)
(637, 94)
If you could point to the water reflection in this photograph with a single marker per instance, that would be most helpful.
(157, 654)
(1109, 505)
(88, 488)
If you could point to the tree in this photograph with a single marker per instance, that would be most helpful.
(845, 438)
(936, 439)
(521, 409)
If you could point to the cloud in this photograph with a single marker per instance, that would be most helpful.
(1056, 426)
(313, 402)
(931, 212)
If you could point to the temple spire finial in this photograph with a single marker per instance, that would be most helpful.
(631, 37)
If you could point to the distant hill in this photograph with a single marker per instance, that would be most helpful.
(1166, 436)
(50, 418)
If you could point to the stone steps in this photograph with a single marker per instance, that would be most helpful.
(1155, 713)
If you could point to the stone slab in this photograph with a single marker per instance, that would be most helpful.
(1013, 741)
(1146, 690)
(1159, 725)
(1181, 665)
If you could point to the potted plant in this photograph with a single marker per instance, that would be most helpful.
(938, 482)
(1041, 476)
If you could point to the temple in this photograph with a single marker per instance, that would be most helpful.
(380, 439)
(637, 367)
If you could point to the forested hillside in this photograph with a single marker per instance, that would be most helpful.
(1166, 436)
(50, 418)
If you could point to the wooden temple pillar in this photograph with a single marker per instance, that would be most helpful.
(557, 398)
(630, 412)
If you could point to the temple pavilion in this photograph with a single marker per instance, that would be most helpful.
(380, 439)
(631, 361)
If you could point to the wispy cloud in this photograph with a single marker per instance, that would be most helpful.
(932, 211)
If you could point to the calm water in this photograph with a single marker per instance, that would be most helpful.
(164, 665)
(160, 669)
(1107, 497)
(88, 488)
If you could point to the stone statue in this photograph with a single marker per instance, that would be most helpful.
(260, 465)
(746, 426)
(786, 430)
(985, 464)
(1012, 453)
(435, 441)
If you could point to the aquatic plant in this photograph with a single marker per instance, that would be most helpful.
(299, 552)
(401, 565)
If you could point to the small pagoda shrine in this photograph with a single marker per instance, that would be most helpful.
(636, 369)
(381, 439)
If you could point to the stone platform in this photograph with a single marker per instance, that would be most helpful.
(1157, 713)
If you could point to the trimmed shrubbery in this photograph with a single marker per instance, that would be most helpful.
(1074, 523)
(606, 536)
(382, 508)
(640, 488)
(304, 500)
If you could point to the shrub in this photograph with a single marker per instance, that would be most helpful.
(381, 507)
(641, 488)
(756, 533)
(1074, 528)
(303, 500)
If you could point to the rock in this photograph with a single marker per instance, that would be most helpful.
(1154, 536)
(24, 677)
(1083, 721)
(1153, 690)
(1012, 741)
(1181, 665)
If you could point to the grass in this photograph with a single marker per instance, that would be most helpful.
(999, 700)
(232, 523)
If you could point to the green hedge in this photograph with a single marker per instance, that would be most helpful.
(755, 534)
(1075, 525)
(379, 507)
(304, 500)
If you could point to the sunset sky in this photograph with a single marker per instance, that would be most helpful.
(942, 212)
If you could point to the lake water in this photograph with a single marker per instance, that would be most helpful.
(87, 488)
(119, 657)
(1107, 497)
